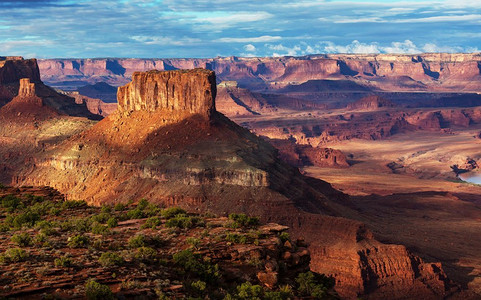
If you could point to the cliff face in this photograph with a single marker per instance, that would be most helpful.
(20, 79)
(215, 165)
(189, 92)
(432, 72)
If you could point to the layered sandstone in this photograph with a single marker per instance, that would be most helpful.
(215, 165)
(432, 72)
(371, 103)
(188, 92)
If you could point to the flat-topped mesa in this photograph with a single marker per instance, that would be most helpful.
(185, 92)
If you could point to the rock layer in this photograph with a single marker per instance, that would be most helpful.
(189, 92)
(436, 72)
(215, 165)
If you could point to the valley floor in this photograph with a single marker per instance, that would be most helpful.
(423, 206)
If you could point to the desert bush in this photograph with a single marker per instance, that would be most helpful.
(184, 221)
(4, 227)
(236, 238)
(110, 259)
(137, 241)
(194, 263)
(27, 218)
(242, 220)
(11, 202)
(63, 261)
(72, 204)
(284, 236)
(145, 254)
(172, 212)
(120, 207)
(13, 255)
(97, 228)
(249, 291)
(78, 241)
(314, 285)
(22, 239)
(194, 242)
(97, 291)
(135, 214)
(46, 227)
(112, 222)
(102, 217)
(42, 240)
(152, 222)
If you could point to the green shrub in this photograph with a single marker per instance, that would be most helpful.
(22, 239)
(249, 291)
(42, 240)
(71, 204)
(194, 242)
(13, 255)
(172, 212)
(4, 227)
(184, 221)
(142, 204)
(63, 261)
(103, 217)
(110, 259)
(98, 228)
(314, 285)
(152, 222)
(112, 222)
(78, 241)
(106, 209)
(46, 227)
(97, 291)
(11, 202)
(27, 218)
(194, 263)
(145, 254)
(242, 220)
(236, 238)
(136, 214)
(284, 236)
(120, 207)
(137, 241)
(285, 292)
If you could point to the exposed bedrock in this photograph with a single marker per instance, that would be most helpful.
(189, 155)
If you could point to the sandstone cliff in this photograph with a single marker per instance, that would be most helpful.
(187, 92)
(432, 72)
(212, 164)
(21, 78)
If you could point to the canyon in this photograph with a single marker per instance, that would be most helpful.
(338, 118)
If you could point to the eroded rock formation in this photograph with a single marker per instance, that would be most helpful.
(188, 92)
(436, 72)
(212, 164)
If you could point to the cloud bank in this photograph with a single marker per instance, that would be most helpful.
(202, 28)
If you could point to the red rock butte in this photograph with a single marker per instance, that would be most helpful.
(188, 92)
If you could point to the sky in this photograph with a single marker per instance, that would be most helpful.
(211, 28)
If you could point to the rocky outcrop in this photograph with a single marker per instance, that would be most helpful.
(306, 155)
(212, 164)
(187, 92)
(435, 72)
(371, 103)
(20, 79)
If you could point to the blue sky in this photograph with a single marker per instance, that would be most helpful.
(209, 28)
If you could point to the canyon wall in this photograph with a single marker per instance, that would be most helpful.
(431, 72)
(190, 92)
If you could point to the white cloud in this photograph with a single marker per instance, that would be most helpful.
(250, 48)
(259, 39)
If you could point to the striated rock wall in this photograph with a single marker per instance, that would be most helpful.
(27, 88)
(434, 72)
(190, 92)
